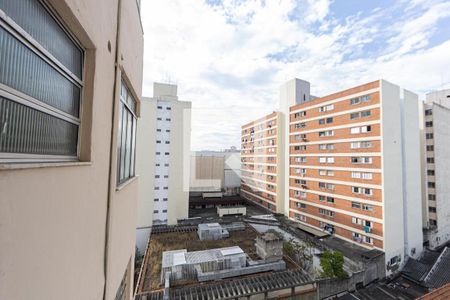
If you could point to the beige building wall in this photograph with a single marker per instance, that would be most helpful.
(207, 173)
(179, 162)
(164, 196)
(66, 229)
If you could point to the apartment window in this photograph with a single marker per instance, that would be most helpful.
(168, 108)
(367, 207)
(430, 148)
(168, 119)
(430, 160)
(356, 205)
(155, 211)
(328, 186)
(429, 136)
(429, 124)
(322, 198)
(432, 209)
(166, 153)
(433, 222)
(430, 172)
(431, 197)
(428, 112)
(166, 188)
(366, 113)
(159, 119)
(50, 76)
(325, 121)
(299, 125)
(157, 165)
(158, 130)
(156, 188)
(361, 160)
(354, 115)
(326, 147)
(158, 142)
(368, 240)
(126, 147)
(164, 211)
(326, 108)
(300, 217)
(355, 130)
(159, 107)
(362, 129)
(166, 165)
(300, 159)
(326, 133)
(167, 142)
(165, 199)
(326, 212)
(330, 199)
(431, 185)
(361, 99)
(326, 160)
(156, 176)
(167, 130)
(158, 153)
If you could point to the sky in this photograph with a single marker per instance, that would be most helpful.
(230, 57)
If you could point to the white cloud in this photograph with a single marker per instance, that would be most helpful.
(229, 59)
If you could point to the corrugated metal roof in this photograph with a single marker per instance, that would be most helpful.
(440, 273)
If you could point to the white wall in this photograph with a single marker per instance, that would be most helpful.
(441, 131)
(392, 174)
(412, 174)
(292, 92)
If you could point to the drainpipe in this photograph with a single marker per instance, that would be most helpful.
(111, 181)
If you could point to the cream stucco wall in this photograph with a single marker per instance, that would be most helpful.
(179, 171)
(54, 221)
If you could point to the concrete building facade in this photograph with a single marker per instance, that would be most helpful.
(262, 172)
(164, 153)
(437, 168)
(352, 165)
(70, 86)
(215, 171)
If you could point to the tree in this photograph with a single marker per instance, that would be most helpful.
(332, 263)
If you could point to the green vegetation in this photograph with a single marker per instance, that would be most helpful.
(332, 265)
(299, 252)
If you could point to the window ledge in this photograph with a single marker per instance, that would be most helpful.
(34, 165)
(124, 184)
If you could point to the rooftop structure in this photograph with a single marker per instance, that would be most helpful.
(211, 231)
(212, 264)
(269, 246)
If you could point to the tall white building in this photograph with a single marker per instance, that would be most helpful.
(437, 168)
(164, 155)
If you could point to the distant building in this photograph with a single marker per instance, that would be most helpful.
(214, 171)
(437, 171)
(163, 152)
(70, 86)
(347, 163)
(262, 159)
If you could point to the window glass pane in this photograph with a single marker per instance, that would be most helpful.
(128, 145)
(133, 152)
(26, 72)
(123, 134)
(26, 130)
(37, 22)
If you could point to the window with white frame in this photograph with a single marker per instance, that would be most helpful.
(362, 175)
(40, 85)
(126, 141)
